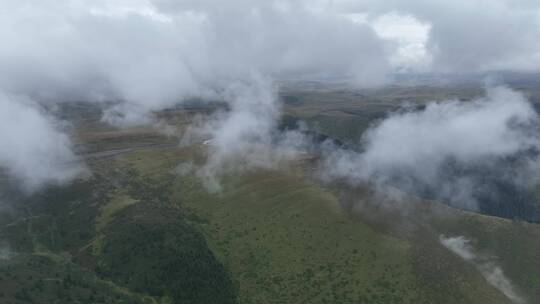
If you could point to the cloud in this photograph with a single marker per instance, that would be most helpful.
(493, 273)
(34, 150)
(153, 56)
(448, 149)
(460, 246)
(244, 136)
(469, 36)
(150, 55)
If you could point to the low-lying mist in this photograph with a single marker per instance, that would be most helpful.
(477, 154)
(486, 265)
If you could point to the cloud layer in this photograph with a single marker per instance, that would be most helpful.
(153, 56)
(148, 55)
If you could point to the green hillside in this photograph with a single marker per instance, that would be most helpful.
(138, 232)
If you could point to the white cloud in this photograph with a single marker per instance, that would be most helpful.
(439, 147)
(405, 35)
(152, 54)
(469, 35)
(33, 149)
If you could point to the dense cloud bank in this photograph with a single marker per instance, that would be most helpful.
(151, 55)
(457, 151)
(148, 55)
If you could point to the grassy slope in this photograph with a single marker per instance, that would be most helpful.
(286, 240)
(514, 244)
(113, 238)
(147, 245)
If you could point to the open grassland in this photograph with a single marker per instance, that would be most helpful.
(286, 239)
(137, 231)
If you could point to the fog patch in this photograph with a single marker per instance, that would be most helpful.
(458, 245)
(185, 169)
(244, 136)
(493, 273)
